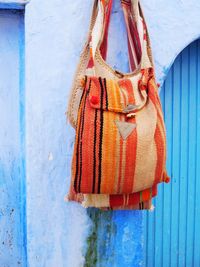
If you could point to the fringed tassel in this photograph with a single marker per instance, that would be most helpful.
(152, 208)
(95, 200)
(165, 177)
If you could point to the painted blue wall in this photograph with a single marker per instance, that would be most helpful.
(12, 176)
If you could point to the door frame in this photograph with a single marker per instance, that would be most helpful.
(13, 4)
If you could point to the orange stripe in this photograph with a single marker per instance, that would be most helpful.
(114, 95)
(108, 153)
(97, 149)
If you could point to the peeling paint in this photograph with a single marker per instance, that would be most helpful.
(100, 239)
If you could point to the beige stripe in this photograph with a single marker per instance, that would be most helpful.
(124, 200)
(134, 80)
(164, 144)
(114, 93)
(97, 29)
(146, 155)
(140, 96)
(123, 96)
(123, 165)
(127, 200)
(96, 200)
(109, 145)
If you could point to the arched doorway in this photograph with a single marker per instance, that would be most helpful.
(172, 231)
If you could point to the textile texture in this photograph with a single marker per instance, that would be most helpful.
(120, 146)
(105, 162)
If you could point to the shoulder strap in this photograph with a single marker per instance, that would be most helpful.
(106, 21)
(148, 51)
(136, 33)
(134, 44)
(100, 31)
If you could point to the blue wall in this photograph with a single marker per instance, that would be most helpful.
(12, 176)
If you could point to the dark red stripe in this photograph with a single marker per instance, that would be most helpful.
(106, 93)
(100, 137)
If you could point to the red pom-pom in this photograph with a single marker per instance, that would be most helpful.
(94, 100)
(167, 179)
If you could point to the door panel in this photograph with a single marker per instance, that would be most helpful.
(12, 203)
(172, 231)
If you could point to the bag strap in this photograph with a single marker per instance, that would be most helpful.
(106, 22)
(136, 34)
(104, 44)
(133, 39)
(134, 44)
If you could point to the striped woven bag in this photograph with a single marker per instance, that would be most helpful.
(120, 145)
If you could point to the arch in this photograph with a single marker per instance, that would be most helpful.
(172, 25)
(172, 236)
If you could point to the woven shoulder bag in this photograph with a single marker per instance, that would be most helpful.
(120, 146)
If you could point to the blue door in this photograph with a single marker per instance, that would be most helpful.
(12, 193)
(172, 231)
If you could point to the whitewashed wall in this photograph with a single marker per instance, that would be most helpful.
(55, 32)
